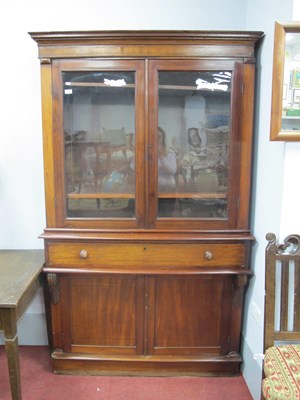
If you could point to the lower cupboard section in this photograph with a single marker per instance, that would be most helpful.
(139, 324)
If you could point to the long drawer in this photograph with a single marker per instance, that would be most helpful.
(95, 255)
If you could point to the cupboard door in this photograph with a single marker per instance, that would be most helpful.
(195, 133)
(189, 315)
(102, 314)
(98, 119)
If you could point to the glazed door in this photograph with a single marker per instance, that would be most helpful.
(98, 124)
(194, 135)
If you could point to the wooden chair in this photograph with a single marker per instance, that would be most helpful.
(282, 319)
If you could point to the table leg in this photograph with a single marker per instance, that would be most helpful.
(12, 351)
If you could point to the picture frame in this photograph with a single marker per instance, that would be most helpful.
(285, 120)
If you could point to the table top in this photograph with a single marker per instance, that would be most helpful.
(18, 268)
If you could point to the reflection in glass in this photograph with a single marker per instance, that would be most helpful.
(99, 115)
(194, 124)
(291, 83)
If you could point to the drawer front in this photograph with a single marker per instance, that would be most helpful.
(149, 255)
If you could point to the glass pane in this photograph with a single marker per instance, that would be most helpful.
(194, 126)
(99, 125)
(291, 84)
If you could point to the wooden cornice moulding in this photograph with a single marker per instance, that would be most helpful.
(144, 35)
(240, 44)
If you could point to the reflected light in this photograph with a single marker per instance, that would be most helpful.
(202, 84)
(114, 82)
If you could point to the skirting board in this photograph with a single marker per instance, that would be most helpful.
(251, 370)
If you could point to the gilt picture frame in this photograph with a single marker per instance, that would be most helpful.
(285, 107)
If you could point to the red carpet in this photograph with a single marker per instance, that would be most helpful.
(39, 383)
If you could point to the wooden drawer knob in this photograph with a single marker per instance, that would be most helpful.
(208, 255)
(83, 254)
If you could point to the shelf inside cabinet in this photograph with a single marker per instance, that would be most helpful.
(192, 195)
(100, 84)
(100, 195)
(131, 85)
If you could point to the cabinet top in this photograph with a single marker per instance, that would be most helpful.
(98, 43)
(66, 36)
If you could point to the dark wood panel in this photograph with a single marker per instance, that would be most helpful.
(189, 315)
(105, 314)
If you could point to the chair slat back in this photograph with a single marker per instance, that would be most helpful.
(297, 296)
(282, 290)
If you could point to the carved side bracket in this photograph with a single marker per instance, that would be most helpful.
(53, 285)
(239, 284)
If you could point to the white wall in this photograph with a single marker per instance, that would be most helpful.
(270, 191)
(290, 217)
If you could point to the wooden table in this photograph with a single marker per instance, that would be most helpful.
(19, 283)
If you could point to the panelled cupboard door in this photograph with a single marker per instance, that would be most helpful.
(102, 314)
(106, 314)
(184, 318)
(98, 137)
